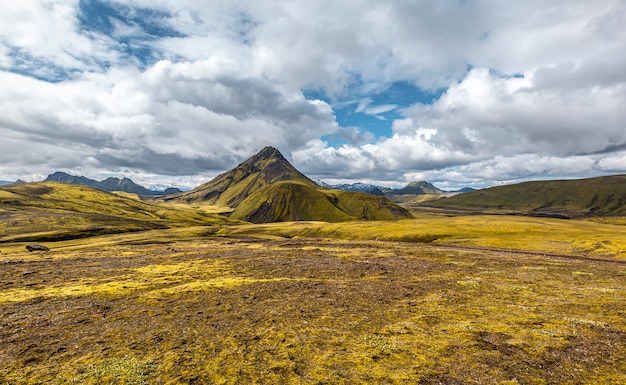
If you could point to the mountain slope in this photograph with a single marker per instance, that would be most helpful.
(604, 196)
(233, 187)
(267, 188)
(297, 201)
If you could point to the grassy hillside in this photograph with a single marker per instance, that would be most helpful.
(297, 201)
(54, 211)
(604, 196)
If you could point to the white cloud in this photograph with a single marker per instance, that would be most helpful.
(614, 163)
(42, 36)
(380, 109)
(230, 81)
(172, 119)
(490, 114)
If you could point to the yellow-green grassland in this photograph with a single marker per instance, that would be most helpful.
(170, 294)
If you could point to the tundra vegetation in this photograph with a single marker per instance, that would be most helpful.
(317, 303)
(135, 291)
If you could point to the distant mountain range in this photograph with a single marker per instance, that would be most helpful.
(267, 188)
(354, 187)
(413, 188)
(109, 184)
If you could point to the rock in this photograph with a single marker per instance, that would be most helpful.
(36, 247)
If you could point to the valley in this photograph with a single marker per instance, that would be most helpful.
(261, 276)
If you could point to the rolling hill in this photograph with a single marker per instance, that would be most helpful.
(267, 188)
(603, 196)
(49, 211)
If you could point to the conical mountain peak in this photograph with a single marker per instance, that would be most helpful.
(267, 188)
(268, 152)
(264, 158)
(266, 167)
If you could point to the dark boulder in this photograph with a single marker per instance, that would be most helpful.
(35, 247)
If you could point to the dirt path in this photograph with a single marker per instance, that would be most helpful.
(494, 250)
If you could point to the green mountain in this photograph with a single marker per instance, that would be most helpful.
(603, 196)
(297, 201)
(233, 187)
(267, 188)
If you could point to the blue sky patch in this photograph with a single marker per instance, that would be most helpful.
(374, 112)
(141, 26)
(26, 64)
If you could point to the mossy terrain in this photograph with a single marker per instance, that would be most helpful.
(601, 239)
(49, 211)
(295, 201)
(604, 196)
(223, 310)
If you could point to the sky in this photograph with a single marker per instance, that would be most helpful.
(456, 92)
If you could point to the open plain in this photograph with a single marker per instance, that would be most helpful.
(199, 305)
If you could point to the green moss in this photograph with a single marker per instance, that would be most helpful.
(293, 201)
(123, 371)
(39, 212)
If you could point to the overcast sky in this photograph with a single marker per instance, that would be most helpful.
(456, 92)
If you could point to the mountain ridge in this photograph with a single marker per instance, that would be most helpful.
(354, 187)
(412, 188)
(417, 188)
(109, 184)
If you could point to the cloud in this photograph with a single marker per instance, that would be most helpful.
(187, 87)
(495, 127)
(41, 38)
(381, 109)
(491, 114)
(174, 119)
(614, 163)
